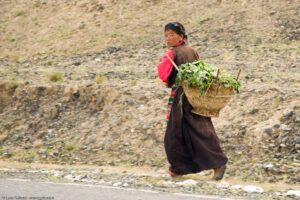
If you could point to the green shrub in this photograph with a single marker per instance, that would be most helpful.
(37, 3)
(71, 146)
(49, 62)
(20, 13)
(55, 77)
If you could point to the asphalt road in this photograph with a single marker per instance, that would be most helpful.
(12, 189)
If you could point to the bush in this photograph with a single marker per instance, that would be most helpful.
(71, 146)
(133, 82)
(55, 77)
(20, 13)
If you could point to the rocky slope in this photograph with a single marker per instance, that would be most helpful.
(101, 103)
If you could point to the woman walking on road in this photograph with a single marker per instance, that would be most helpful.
(191, 143)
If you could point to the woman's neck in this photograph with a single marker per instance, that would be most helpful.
(179, 43)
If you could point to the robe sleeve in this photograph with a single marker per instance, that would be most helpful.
(165, 67)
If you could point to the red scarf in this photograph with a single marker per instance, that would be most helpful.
(182, 41)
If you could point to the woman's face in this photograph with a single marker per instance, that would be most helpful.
(172, 38)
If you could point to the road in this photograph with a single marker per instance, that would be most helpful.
(11, 189)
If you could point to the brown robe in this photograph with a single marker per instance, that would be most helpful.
(191, 142)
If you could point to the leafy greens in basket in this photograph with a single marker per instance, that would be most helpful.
(202, 75)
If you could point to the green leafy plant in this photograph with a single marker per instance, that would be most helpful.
(202, 75)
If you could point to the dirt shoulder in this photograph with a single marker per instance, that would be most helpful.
(144, 178)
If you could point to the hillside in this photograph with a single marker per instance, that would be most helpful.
(105, 106)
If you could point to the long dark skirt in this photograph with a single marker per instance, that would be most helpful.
(191, 142)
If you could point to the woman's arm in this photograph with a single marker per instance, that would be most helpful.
(165, 67)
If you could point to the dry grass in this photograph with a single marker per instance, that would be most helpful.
(13, 58)
(56, 77)
(3, 137)
(20, 13)
(133, 82)
(37, 143)
(71, 146)
(100, 79)
(100, 24)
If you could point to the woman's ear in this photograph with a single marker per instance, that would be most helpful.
(182, 37)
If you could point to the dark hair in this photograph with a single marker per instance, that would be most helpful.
(177, 28)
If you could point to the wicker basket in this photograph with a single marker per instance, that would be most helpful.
(215, 99)
(209, 105)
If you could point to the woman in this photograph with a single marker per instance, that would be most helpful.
(191, 143)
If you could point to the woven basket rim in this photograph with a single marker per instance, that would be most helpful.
(184, 84)
(213, 86)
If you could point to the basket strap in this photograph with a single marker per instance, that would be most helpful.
(173, 62)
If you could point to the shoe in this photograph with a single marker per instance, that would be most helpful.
(171, 173)
(219, 172)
